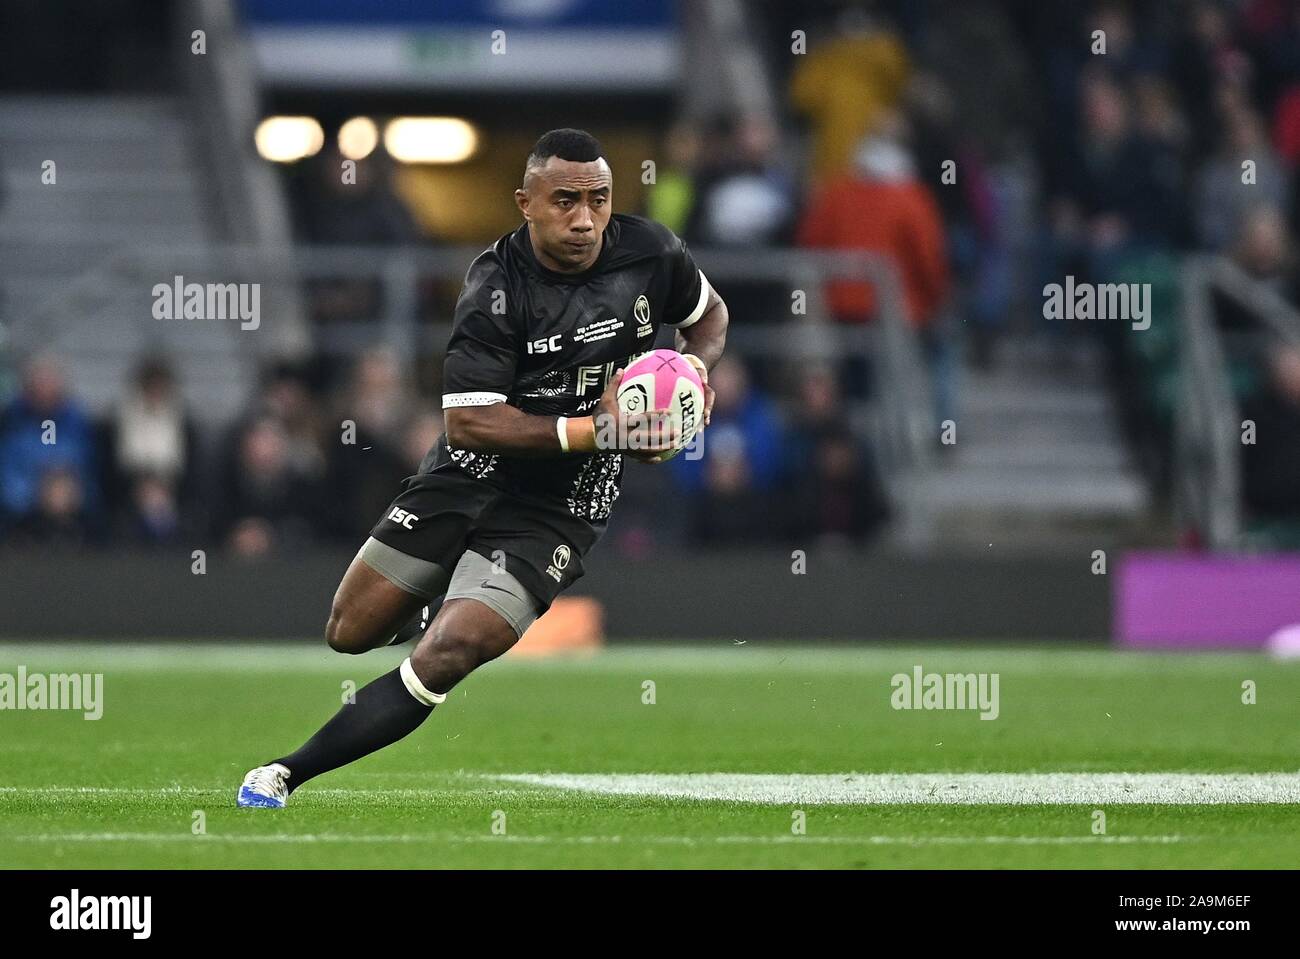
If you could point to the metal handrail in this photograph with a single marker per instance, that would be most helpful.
(1207, 465)
(1208, 421)
(249, 201)
(1264, 302)
(905, 399)
(222, 85)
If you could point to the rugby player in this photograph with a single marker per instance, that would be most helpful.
(506, 506)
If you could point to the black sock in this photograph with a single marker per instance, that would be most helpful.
(383, 713)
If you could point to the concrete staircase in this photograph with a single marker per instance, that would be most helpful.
(1038, 462)
(127, 179)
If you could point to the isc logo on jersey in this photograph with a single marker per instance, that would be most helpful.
(547, 344)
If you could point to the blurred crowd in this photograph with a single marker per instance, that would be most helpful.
(987, 148)
(300, 466)
(304, 466)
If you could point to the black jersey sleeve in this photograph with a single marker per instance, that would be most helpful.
(484, 348)
(688, 291)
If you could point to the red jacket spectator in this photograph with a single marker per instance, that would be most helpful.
(1286, 126)
(891, 213)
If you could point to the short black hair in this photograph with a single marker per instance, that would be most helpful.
(565, 143)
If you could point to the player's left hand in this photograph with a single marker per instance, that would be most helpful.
(703, 370)
(646, 435)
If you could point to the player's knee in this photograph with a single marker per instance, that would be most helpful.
(342, 632)
(455, 648)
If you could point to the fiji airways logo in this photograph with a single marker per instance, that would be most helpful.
(592, 379)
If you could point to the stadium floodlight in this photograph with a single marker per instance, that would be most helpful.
(358, 138)
(286, 139)
(430, 139)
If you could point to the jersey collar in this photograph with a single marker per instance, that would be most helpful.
(524, 246)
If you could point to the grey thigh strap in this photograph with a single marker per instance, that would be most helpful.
(419, 576)
(476, 578)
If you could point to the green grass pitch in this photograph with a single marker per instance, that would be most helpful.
(183, 722)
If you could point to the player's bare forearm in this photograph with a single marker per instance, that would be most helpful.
(707, 336)
(501, 428)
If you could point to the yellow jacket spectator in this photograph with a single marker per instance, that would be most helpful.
(844, 86)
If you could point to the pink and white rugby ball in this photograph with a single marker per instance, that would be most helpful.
(665, 380)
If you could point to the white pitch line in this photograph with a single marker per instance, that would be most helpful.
(195, 792)
(1017, 789)
(310, 838)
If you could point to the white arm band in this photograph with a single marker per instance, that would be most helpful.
(699, 306)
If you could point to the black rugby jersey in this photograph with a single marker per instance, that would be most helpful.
(548, 342)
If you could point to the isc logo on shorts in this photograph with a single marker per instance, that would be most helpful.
(402, 518)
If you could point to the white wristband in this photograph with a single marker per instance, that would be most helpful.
(561, 427)
(700, 366)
